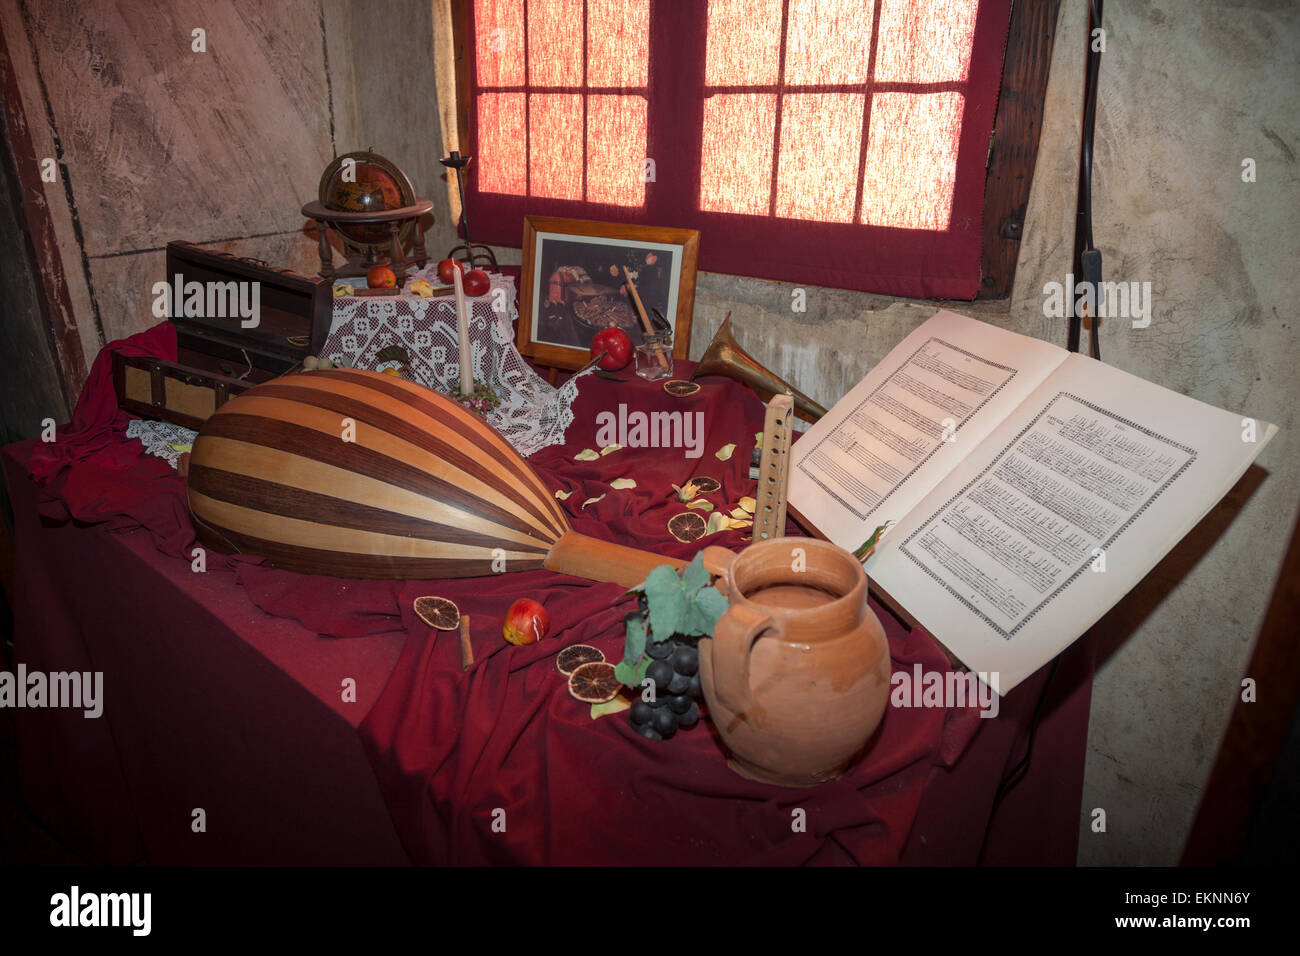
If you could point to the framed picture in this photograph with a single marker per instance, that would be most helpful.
(573, 285)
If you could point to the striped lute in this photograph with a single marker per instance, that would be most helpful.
(357, 474)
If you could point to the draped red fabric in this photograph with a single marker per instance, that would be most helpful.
(840, 143)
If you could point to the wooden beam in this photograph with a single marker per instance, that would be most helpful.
(1014, 150)
(43, 246)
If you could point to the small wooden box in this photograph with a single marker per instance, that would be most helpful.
(217, 356)
(293, 322)
(155, 388)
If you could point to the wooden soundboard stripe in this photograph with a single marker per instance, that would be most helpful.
(273, 498)
(347, 565)
(434, 435)
(274, 466)
(230, 518)
(303, 441)
(438, 445)
(471, 427)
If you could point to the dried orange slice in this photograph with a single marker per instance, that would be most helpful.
(681, 388)
(438, 612)
(706, 485)
(575, 655)
(687, 526)
(594, 682)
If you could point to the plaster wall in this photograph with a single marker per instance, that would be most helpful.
(156, 140)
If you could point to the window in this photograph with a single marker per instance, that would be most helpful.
(844, 112)
(828, 142)
(562, 99)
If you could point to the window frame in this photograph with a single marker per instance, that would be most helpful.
(1009, 169)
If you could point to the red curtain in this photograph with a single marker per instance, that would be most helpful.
(839, 143)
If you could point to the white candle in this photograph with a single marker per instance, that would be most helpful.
(462, 328)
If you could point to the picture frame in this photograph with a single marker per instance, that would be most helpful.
(572, 285)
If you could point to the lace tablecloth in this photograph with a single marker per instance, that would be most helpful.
(532, 414)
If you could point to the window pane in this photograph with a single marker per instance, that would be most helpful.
(499, 42)
(821, 136)
(912, 160)
(616, 138)
(828, 41)
(925, 41)
(744, 42)
(555, 145)
(500, 157)
(554, 43)
(618, 42)
(736, 168)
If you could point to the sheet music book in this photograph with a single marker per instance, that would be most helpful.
(1029, 488)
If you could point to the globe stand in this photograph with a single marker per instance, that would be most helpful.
(362, 257)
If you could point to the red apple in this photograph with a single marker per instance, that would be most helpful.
(381, 277)
(476, 282)
(526, 622)
(617, 348)
(447, 268)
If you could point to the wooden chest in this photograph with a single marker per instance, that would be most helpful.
(238, 322)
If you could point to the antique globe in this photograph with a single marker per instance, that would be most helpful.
(365, 182)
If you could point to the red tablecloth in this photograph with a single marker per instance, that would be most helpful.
(221, 694)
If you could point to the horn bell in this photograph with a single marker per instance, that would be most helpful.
(724, 356)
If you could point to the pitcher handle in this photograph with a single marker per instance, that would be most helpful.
(733, 643)
(717, 561)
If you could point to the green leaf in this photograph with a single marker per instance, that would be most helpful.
(863, 551)
(694, 576)
(633, 640)
(667, 599)
(703, 611)
(632, 674)
(392, 353)
(615, 706)
(625, 673)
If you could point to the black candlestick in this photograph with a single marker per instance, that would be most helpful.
(458, 162)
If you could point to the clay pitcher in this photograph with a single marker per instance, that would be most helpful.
(796, 675)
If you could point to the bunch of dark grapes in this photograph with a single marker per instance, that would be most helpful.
(675, 670)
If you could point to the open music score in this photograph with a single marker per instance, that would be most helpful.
(1030, 488)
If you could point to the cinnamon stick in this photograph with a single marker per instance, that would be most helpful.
(466, 649)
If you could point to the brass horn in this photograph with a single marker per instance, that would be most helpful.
(725, 357)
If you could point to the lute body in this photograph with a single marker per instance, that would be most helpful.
(357, 474)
